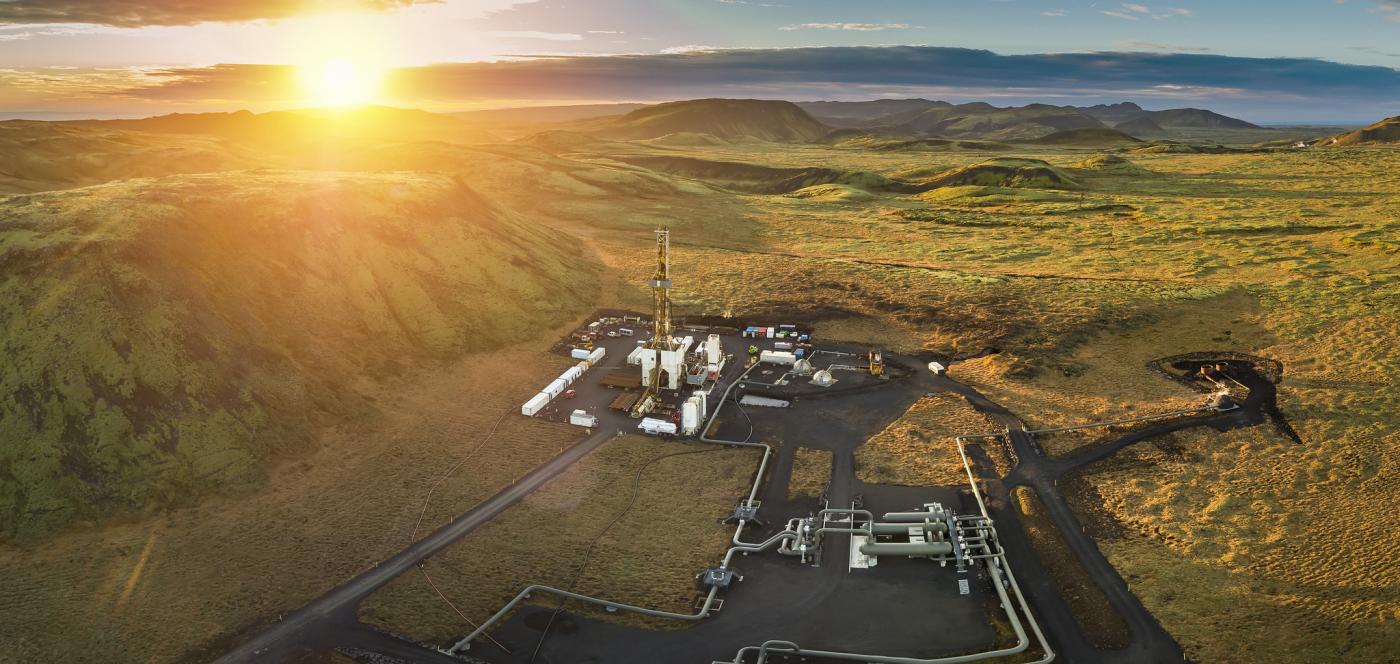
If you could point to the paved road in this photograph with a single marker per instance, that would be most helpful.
(329, 611)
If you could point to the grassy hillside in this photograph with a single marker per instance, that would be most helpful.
(731, 119)
(1091, 137)
(41, 156)
(981, 120)
(1385, 132)
(170, 336)
(284, 130)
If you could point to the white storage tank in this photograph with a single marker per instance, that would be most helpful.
(579, 354)
(583, 418)
(690, 416)
(777, 357)
(535, 405)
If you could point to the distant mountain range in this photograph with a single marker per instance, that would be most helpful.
(983, 120)
(730, 119)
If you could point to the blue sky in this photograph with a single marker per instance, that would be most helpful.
(1317, 60)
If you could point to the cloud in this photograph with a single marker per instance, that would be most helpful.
(537, 34)
(1155, 46)
(1132, 11)
(1263, 89)
(136, 13)
(859, 27)
(1054, 12)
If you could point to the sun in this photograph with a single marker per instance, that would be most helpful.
(339, 82)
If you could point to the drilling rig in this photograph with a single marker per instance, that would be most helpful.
(662, 346)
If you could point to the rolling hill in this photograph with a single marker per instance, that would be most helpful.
(1140, 126)
(728, 119)
(862, 113)
(42, 156)
(1385, 132)
(1089, 137)
(1196, 118)
(984, 121)
(295, 129)
(168, 337)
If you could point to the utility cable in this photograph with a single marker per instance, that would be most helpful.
(588, 553)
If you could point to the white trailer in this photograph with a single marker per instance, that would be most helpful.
(654, 427)
(597, 355)
(579, 353)
(626, 332)
(712, 349)
(535, 405)
(555, 389)
(583, 418)
(782, 345)
(937, 368)
(571, 375)
(634, 358)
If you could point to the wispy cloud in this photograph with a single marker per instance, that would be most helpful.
(537, 34)
(1157, 46)
(136, 13)
(859, 27)
(1054, 12)
(1132, 11)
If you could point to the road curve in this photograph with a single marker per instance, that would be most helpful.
(277, 640)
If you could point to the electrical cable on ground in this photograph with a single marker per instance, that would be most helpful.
(428, 499)
(588, 553)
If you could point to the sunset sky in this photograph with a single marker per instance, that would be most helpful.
(1265, 61)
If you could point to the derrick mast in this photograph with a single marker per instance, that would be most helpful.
(663, 361)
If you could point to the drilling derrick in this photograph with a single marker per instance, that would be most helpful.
(663, 354)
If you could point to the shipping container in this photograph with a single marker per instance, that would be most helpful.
(535, 405)
(635, 357)
(583, 418)
(571, 375)
(597, 355)
(579, 353)
(783, 345)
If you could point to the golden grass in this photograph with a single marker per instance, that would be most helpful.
(919, 449)
(811, 472)
(1300, 535)
(649, 558)
(175, 587)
